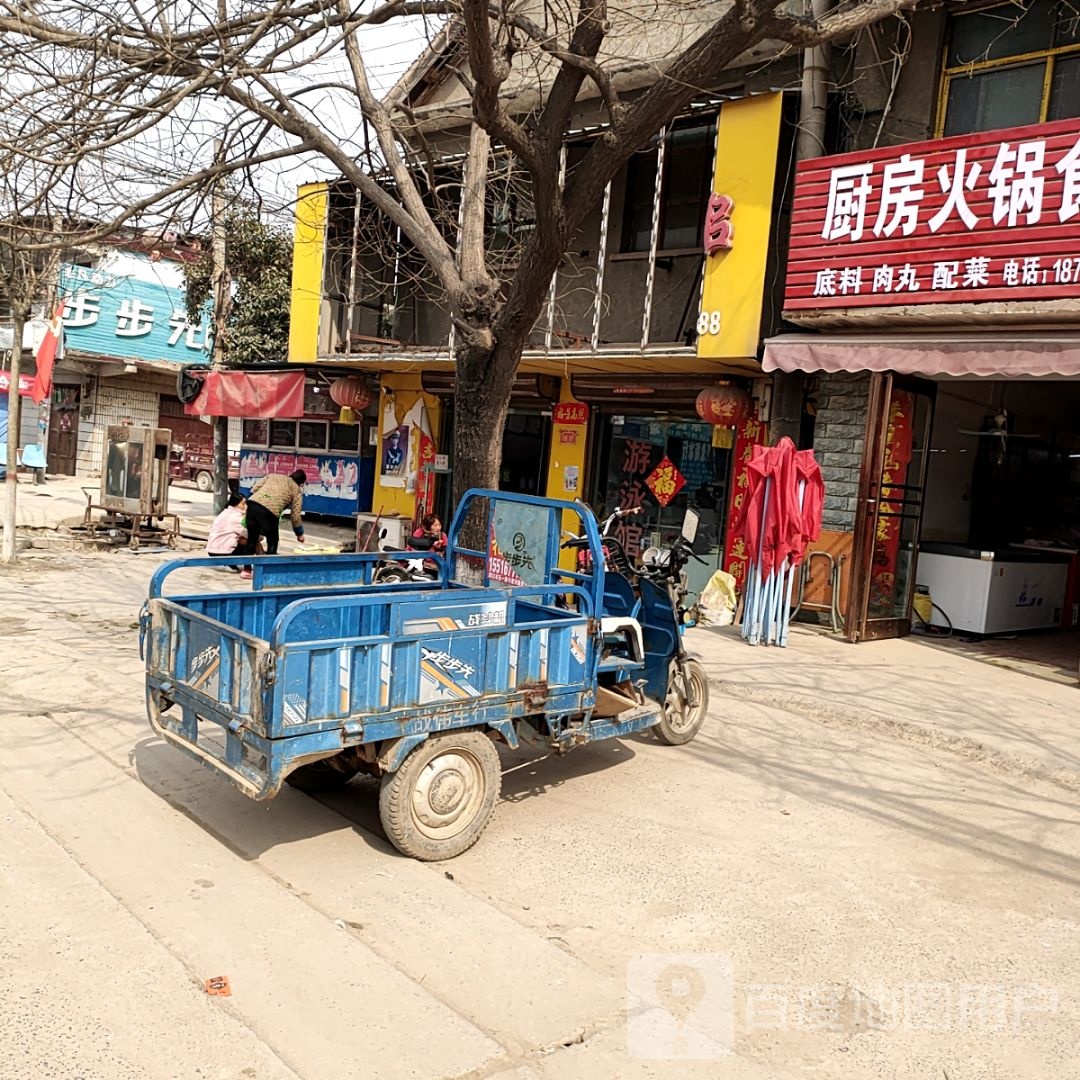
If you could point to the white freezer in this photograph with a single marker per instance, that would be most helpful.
(991, 595)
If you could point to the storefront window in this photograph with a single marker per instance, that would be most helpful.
(345, 437)
(687, 175)
(1009, 65)
(317, 400)
(631, 449)
(313, 435)
(256, 432)
(283, 433)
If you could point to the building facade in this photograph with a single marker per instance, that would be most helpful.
(125, 337)
(639, 319)
(932, 300)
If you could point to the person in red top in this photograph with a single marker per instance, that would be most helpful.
(431, 530)
(228, 532)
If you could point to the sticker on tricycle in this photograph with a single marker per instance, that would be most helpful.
(444, 675)
(453, 616)
(517, 546)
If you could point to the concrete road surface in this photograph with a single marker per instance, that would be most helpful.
(781, 898)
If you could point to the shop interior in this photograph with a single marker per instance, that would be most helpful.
(628, 449)
(999, 543)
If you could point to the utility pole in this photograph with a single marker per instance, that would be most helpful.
(9, 552)
(221, 318)
(789, 387)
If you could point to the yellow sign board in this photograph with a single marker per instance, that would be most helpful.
(747, 143)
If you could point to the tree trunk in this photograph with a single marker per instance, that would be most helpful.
(481, 401)
(221, 462)
(9, 551)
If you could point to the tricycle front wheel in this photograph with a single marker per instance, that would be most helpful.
(686, 705)
(442, 796)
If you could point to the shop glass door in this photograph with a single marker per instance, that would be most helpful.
(630, 450)
(891, 495)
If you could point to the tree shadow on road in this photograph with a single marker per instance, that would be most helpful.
(1021, 823)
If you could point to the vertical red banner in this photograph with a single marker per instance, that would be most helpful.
(898, 451)
(751, 432)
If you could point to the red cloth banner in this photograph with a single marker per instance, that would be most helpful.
(738, 553)
(253, 395)
(46, 355)
(898, 451)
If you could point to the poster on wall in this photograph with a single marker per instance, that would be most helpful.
(420, 467)
(335, 483)
(395, 449)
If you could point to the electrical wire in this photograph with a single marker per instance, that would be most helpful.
(928, 628)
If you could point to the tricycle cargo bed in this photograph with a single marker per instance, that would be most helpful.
(357, 666)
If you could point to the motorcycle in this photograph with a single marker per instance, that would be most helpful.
(396, 570)
(664, 570)
(645, 612)
(666, 566)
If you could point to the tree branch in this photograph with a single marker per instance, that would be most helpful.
(591, 68)
(489, 73)
(806, 31)
(473, 204)
(585, 44)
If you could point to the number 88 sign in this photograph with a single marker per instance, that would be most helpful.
(708, 322)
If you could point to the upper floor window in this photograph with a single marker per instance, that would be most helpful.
(688, 160)
(1011, 64)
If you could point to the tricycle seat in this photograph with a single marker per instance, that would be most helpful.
(626, 631)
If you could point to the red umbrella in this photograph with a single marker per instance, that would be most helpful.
(782, 521)
(808, 473)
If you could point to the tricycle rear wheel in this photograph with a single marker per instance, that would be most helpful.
(442, 796)
(681, 721)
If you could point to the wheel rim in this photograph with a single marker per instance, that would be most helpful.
(680, 717)
(448, 794)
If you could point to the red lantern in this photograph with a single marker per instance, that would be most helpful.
(351, 393)
(723, 405)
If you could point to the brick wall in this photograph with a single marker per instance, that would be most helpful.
(838, 443)
(116, 401)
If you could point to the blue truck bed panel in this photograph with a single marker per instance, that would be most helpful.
(356, 666)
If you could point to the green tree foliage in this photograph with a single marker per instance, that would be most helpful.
(258, 258)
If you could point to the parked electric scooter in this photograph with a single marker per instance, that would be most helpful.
(397, 570)
(654, 596)
(662, 584)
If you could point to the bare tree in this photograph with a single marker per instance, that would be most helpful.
(30, 251)
(292, 77)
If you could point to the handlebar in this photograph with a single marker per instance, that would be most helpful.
(616, 514)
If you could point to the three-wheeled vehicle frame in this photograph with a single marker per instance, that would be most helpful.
(318, 673)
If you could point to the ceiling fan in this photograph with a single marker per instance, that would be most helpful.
(998, 431)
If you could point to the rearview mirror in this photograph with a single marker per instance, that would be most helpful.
(690, 526)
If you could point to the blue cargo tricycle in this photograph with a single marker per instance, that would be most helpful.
(320, 672)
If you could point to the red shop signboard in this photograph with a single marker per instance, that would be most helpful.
(975, 218)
